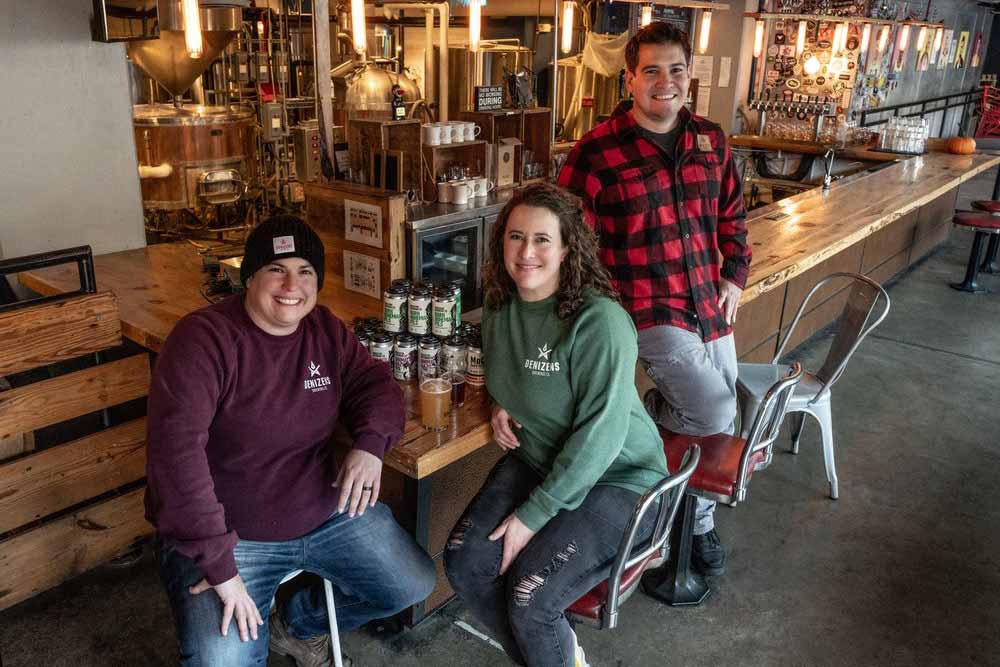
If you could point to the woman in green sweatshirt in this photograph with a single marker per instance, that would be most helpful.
(560, 358)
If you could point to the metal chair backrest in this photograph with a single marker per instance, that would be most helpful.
(856, 321)
(669, 493)
(767, 424)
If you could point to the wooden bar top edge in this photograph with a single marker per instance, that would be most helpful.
(810, 148)
(845, 215)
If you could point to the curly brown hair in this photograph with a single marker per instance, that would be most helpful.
(580, 271)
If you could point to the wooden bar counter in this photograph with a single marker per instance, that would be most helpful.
(876, 223)
(801, 237)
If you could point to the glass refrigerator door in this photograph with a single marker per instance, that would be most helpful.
(448, 253)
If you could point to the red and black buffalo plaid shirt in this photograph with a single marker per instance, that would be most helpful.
(662, 220)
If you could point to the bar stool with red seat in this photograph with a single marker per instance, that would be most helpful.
(984, 224)
(723, 473)
(991, 206)
(599, 607)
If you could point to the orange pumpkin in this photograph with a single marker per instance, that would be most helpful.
(961, 145)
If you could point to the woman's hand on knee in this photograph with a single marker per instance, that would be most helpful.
(501, 422)
(236, 602)
(515, 537)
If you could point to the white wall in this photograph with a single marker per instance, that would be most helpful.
(67, 156)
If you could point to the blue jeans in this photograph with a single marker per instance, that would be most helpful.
(376, 569)
(524, 609)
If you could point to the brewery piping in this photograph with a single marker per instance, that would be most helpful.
(444, 11)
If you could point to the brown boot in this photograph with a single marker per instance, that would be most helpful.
(313, 652)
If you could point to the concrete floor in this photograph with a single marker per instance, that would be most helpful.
(903, 569)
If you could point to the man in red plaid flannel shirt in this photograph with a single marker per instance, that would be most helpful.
(661, 189)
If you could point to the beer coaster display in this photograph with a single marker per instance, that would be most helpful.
(785, 75)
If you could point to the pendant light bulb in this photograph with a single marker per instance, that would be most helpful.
(475, 24)
(192, 28)
(800, 43)
(358, 25)
(883, 39)
(921, 38)
(866, 35)
(938, 37)
(567, 26)
(904, 37)
(811, 65)
(647, 15)
(706, 27)
(758, 38)
(845, 29)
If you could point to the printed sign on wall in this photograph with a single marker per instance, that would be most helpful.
(977, 49)
(961, 51)
(361, 274)
(363, 223)
(947, 49)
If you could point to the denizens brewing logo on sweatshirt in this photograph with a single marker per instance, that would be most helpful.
(542, 365)
(320, 383)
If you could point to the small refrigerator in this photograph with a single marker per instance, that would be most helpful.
(449, 252)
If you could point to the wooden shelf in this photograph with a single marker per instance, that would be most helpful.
(536, 137)
(454, 145)
(438, 159)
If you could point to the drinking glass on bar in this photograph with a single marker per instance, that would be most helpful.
(457, 379)
(435, 403)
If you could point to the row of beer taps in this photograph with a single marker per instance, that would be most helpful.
(800, 105)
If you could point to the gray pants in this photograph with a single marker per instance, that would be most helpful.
(697, 389)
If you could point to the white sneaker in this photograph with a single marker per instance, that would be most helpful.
(581, 659)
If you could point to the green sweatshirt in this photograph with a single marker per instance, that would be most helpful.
(571, 385)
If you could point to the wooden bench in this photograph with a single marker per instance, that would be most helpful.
(64, 508)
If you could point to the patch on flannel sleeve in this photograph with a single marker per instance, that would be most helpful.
(704, 143)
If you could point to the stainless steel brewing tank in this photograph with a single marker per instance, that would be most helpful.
(494, 61)
(577, 85)
(193, 155)
(369, 92)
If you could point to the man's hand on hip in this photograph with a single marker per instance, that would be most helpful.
(359, 481)
(729, 299)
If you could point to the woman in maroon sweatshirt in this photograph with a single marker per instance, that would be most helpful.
(243, 487)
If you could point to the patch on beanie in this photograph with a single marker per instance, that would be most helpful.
(283, 244)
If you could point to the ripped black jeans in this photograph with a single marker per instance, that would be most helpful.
(572, 553)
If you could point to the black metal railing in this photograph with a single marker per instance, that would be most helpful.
(921, 108)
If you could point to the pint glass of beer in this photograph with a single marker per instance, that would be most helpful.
(435, 403)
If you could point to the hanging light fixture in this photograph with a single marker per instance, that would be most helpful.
(358, 25)
(811, 65)
(192, 28)
(936, 46)
(800, 43)
(921, 38)
(475, 24)
(758, 38)
(647, 15)
(567, 26)
(883, 39)
(904, 37)
(842, 44)
(706, 27)
(866, 34)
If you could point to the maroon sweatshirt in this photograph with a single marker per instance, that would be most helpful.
(239, 429)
